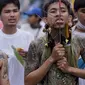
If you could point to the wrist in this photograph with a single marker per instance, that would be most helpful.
(70, 69)
(51, 60)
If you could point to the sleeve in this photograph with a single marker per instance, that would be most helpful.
(4, 69)
(32, 59)
(76, 46)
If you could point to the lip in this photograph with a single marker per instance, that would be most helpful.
(12, 20)
(59, 21)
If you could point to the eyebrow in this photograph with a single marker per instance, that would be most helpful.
(10, 9)
(55, 8)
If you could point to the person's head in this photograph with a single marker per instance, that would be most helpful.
(79, 8)
(33, 19)
(34, 15)
(52, 13)
(9, 12)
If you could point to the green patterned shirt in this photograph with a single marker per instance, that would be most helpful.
(35, 59)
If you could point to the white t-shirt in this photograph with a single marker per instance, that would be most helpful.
(81, 81)
(15, 71)
(20, 39)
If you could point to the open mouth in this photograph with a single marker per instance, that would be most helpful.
(59, 21)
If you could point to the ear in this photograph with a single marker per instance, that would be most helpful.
(44, 20)
(70, 23)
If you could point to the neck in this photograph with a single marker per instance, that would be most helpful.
(9, 29)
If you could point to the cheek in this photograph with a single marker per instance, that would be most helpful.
(4, 18)
(50, 20)
(66, 18)
(18, 16)
(81, 17)
(31, 20)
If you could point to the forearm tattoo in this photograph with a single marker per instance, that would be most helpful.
(4, 69)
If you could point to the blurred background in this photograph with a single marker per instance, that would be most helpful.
(27, 5)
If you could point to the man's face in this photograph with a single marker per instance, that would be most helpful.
(10, 15)
(81, 15)
(33, 19)
(57, 17)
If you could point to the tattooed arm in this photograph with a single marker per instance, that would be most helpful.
(3, 69)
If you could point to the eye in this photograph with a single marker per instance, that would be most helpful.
(15, 10)
(63, 10)
(52, 11)
(7, 11)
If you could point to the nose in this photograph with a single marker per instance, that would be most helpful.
(12, 14)
(58, 13)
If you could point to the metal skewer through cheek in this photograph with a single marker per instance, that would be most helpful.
(59, 19)
(59, 34)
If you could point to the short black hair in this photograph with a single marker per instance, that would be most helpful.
(46, 6)
(3, 3)
(79, 4)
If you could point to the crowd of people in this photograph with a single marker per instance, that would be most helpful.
(44, 47)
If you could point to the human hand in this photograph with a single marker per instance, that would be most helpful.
(58, 52)
(63, 65)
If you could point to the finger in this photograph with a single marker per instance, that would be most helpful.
(59, 45)
(59, 64)
(60, 67)
(61, 61)
(61, 53)
(64, 59)
(60, 49)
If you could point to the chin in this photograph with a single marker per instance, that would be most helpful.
(59, 27)
(12, 24)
